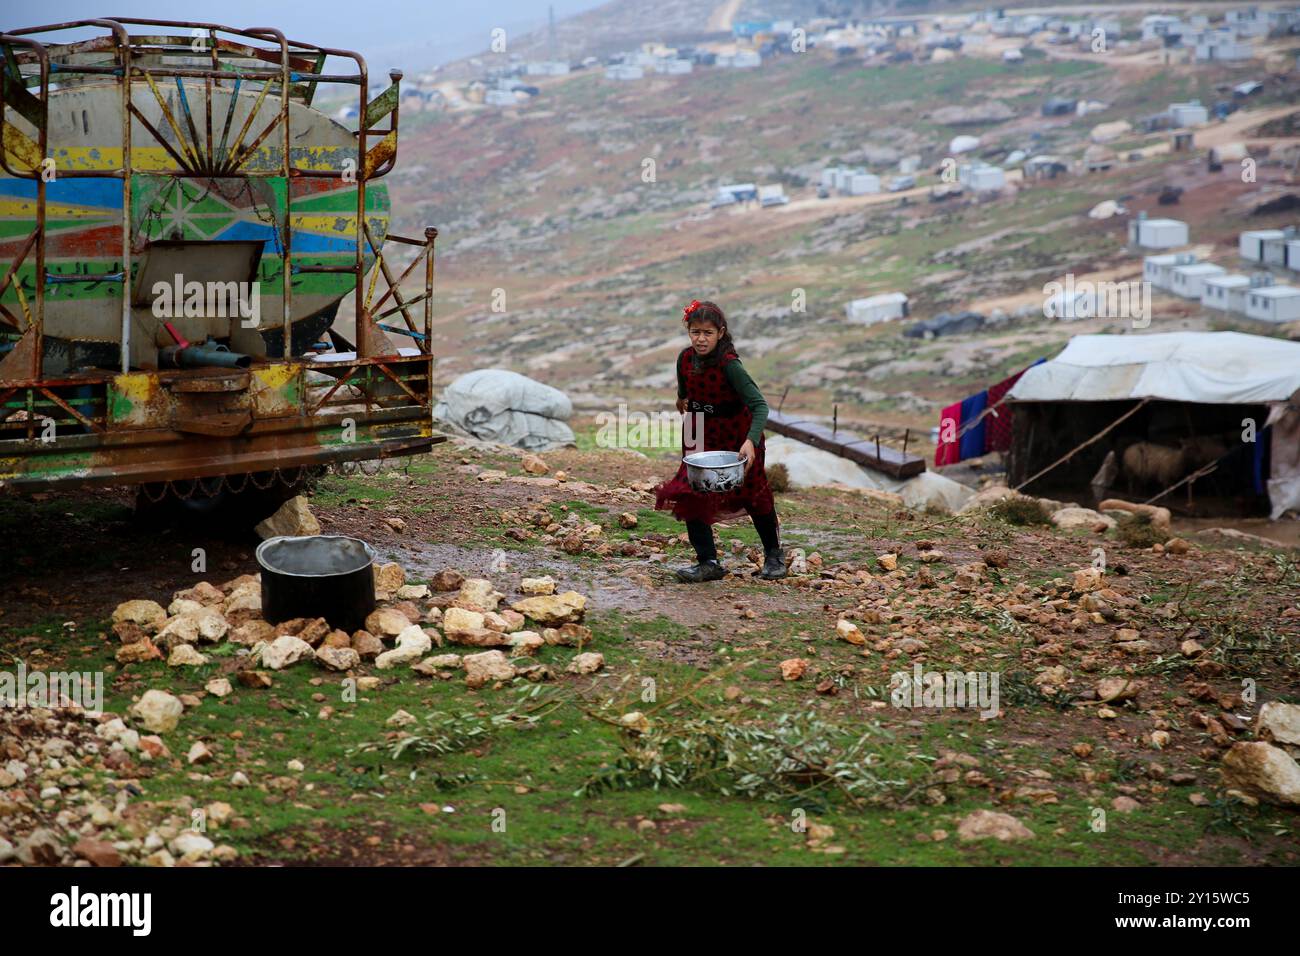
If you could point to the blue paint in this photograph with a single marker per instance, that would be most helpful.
(303, 242)
(94, 191)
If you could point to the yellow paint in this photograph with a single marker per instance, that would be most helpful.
(17, 208)
(145, 159)
(19, 146)
(327, 224)
(136, 387)
(275, 376)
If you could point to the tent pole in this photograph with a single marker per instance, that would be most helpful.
(1078, 448)
(1192, 477)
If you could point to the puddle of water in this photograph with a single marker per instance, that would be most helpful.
(1284, 532)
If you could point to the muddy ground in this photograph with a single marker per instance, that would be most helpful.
(970, 594)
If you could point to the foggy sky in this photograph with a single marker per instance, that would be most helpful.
(410, 34)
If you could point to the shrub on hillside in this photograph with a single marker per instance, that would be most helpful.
(778, 477)
(1020, 511)
(1137, 531)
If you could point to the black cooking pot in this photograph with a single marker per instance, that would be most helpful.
(330, 576)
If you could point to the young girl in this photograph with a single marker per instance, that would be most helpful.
(712, 383)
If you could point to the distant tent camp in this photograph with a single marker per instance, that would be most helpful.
(1222, 403)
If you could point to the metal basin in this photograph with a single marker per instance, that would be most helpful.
(714, 472)
(329, 576)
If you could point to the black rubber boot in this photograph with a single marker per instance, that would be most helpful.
(704, 571)
(773, 566)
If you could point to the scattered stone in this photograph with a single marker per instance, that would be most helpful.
(41, 847)
(401, 719)
(286, 650)
(252, 632)
(537, 586)
(1279, 723)
(1258, 767)
(147, 615)
(412, 644)
(199, 753)
(1087, 579)
(338, 658)
(567, 635)
(1177, 546)
(387, 622)
(477, 594)
(586, 663)
(1069, 519)
(138, 652)
(1160, 517)
(367, 646)
(794, 668)
(293, 519)
(1117, 689)
(256, 680)
(218, 687)
(431, 665)
(412, 592)
(534, 465)
(487, 666)
(553, 610)
(158, 711)
(526, 643)
(456, 620)
(635, 721)
(447, 580)
(1125, 804)
(152, 747)
(389, 577)
(989, 824)
(183, 655)
(887, 562)
(627, 520)
(97, 852)
(848, 631)
(191, 845)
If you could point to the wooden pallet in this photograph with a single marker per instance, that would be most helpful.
(864, 451)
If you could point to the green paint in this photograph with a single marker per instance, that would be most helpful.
(119, 406)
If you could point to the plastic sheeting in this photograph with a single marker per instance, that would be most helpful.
(1284, 485)
(1229, 368)
(496, 405)
(810, 467)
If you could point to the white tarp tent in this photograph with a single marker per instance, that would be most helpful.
(496, 405)
(1229, 368)
(1212, 368)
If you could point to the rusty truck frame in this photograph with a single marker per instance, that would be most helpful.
(117, 426)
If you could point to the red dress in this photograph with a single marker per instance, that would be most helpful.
(726, 426)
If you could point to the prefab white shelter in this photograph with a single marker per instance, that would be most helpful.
(1188, 280)
(1165, 388)
(877, 308)
(1250, 244)
(1159, 269)
(1157, 233)
(1275, 304)
(1226, 293)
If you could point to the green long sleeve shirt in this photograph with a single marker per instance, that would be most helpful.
(739, 379)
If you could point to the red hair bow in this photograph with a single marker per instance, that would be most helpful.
(686, 312)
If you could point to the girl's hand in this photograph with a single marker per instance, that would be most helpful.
(747, 453)
(681, 406)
